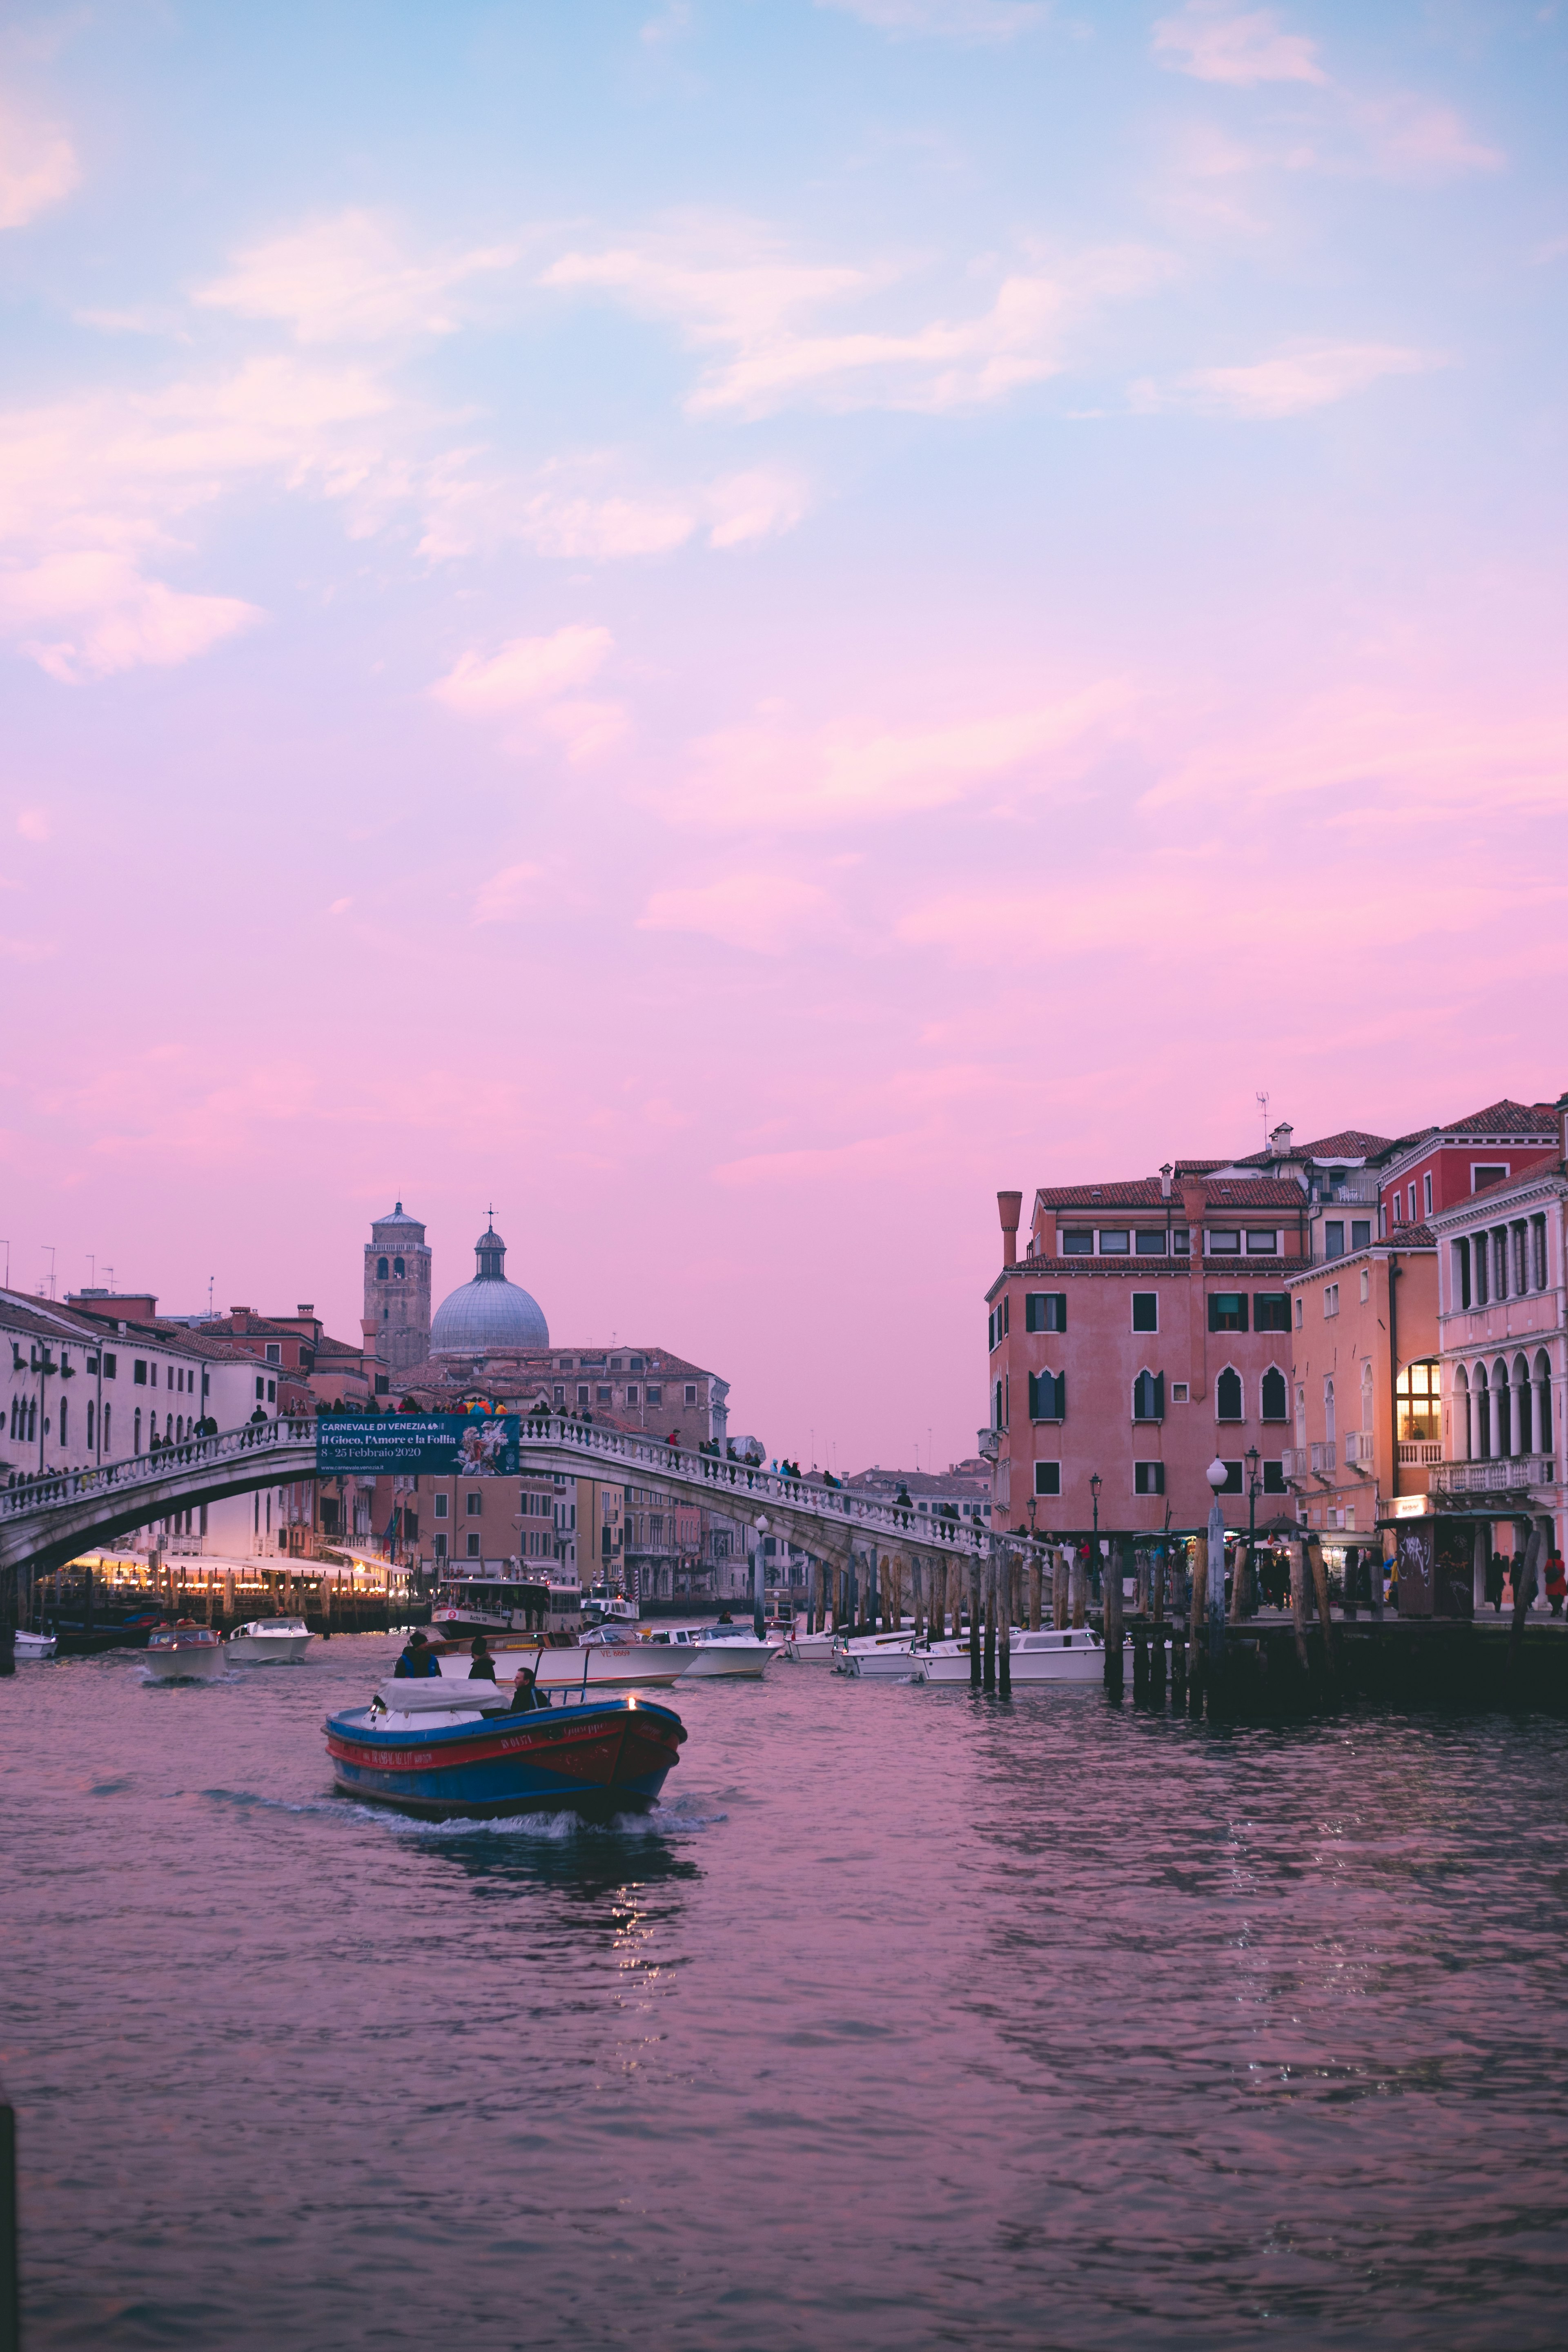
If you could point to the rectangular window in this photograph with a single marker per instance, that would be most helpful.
(272, 1392)
(1181, 1242)
(1048, 1478)
(1366, 1286)
(1537, 1252)
(1300, 1306)
(655, 1393)
(440, 1546)
(604, 1396)
(1360, 1233)
(109, 1364)
(1148, 1477)
(383, 1383)
(1114, 1243)
(1047, 1396)
(439, 1507)
(260, 1387)
(690, 1391)
(1331, 1300)
(1334, 1237)
(1149, 1397)
(583, 1392)
(1046, 1311)
(1227, 1310)
(473, 1504)
(139, 1371)
(1479, 1176)
(1411, 1199)
(474, 1544)
(631, 1392)
(1232, 1482)
(1274, 1478)
(274, 1352)
(92, 1363)
(1262, 1245)
(1179, 1393)
(1145, 1310)
(1427, 1194)
(1270, 1310)
(1077, 1244)
(1150, 1244)
(1223, 1244)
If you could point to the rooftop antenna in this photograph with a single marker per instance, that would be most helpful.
(50, 1247)
(109, 1277)
(211, 1280)
(1263, 1107)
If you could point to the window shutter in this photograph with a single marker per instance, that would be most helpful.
(1159, 1396)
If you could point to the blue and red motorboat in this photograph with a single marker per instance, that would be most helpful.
(597, 1757)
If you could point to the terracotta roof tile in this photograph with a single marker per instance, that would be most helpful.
(1506, 1117)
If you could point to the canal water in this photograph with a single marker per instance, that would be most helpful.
(911, 2020)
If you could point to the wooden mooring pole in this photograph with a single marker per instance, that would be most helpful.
(1005, 1631)
(10, 2266)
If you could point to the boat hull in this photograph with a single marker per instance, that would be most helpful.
(1035, 1662)
(622, 1665)
(810, 1649)
(599, 1759)
(266, 1650)
(35, 1646)
(197, 1664)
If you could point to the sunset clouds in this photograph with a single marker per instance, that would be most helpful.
(789, 614)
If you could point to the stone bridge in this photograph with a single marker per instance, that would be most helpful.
(50, 1521)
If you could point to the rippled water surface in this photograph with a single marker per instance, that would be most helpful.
(911, 2020)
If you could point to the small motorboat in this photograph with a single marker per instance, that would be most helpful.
(810, 1649)
(609, 1659)
(35, 1646)
(716, 1649)
(266, 1640)
(447, 1753)
(1033, 1659)
(184, 1653)
(850, 1653)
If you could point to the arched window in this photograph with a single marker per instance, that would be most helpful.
(1274, 1397)
(1502, 1418)
(397, 1267)
(1366, 1396)
(91, 1420)
(1328, 1408)
(136, 1448)
(64, 1419)
(1227, 1396)
(108, 1419)
(380, 1269)
(32, 1420)
(1149, 1397)
(1522, 1402)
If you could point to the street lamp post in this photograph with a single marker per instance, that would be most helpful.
(757, 1578)
(1254, 1488)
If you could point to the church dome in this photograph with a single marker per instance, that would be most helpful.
(490, 1315)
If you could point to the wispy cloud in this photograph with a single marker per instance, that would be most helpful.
(975, 21)
(573, 510)
(350, 279)
(1216, 43)
(764, 912)
(1329, 126)
(507, 895)
(1290, 384)
(536, 679)
(767, 774)
(86, 614)
(37, 165)
(733, 290)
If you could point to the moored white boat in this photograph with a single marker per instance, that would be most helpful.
(604, 1660)
(35, 1646)
(183, 1653)
(849, 1651)
(266, 1639)
(1033, 1659)
(713, 1650)
(810, 1649)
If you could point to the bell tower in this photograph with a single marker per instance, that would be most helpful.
(396, 1324)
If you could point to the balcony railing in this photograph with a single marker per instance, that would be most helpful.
(1500, 1477)
(1419, 1453)
(1293, 1462)
(1323, 1457)
(1360, 1192)
(1360, 1445)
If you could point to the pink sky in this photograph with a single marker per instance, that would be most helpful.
(731, 628)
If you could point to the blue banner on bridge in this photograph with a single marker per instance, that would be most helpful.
(444, 1444)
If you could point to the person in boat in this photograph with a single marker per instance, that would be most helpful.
(418, 1661)
(526, 1694)
(483, 1669)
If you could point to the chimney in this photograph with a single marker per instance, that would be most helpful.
(1009, 1207)
(1280, 1139)
(1165, 1182)
(305, 1308)
(1194, 1203)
